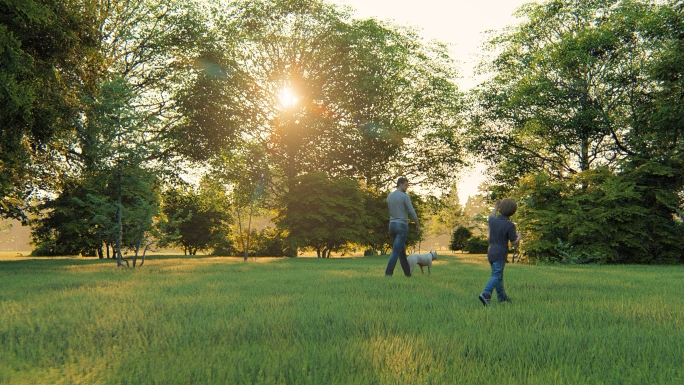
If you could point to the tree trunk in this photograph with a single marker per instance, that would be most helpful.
(119, 256)
(249, 227)
(142, 259)
(137, 247)
(243, 241)
(584, 155)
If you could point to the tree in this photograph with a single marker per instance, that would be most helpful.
(565, 86)
(478, 244)
(583, 111)
(195, 221)
(323, 92)
(624, 218)
(83, 217)
(376, 221)
(246, 175)
(153, 45)
(47, 51)
(323, 214)
(459, 238)
(446, 212)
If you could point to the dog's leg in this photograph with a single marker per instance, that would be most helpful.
(429, 267)
(421, 269)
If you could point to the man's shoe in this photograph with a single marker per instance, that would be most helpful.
(506, 299)
(485, 299)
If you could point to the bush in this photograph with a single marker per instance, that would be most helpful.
(459, 238)
(44, 249)
(477, 245)
(271, 243)
(224, 248)
(601, 217)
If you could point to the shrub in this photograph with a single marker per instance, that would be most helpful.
(477, 245)
(601, 217)
(459, 238)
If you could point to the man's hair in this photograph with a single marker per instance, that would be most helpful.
(401, 181)
(508, 207)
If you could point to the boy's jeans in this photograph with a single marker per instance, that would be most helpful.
(496, 281)
(399, 232)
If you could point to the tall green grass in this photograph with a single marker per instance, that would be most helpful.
(337, 321)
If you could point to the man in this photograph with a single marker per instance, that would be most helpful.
(400, 208)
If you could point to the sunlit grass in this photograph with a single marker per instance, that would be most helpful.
(339, 321)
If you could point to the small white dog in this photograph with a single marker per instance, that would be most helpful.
(422, 260)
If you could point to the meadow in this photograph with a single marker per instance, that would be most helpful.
(210, 320)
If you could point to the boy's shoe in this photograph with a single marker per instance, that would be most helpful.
(485, 299)
(506, 299)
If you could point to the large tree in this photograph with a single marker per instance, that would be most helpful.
(584, 111)
(323, 214)
(566, 85)
(48, 54)
(321, 91)
(195, 220)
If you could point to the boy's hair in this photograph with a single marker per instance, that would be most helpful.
(508, 207)
(401, 181)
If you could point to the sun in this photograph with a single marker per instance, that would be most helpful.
(287, 97)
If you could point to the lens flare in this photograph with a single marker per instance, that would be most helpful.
(287, 97)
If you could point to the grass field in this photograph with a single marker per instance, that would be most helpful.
(181, 320)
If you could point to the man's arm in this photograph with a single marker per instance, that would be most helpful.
(412, 212)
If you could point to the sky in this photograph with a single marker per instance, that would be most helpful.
(461, 24)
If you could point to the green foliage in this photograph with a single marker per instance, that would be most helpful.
(477, 245)
(459, 238)
(154, 45)
(196, 221)
(245, 173)
(445, 213)
(376, 221)
(598, 216)
(582, 119)
(419, 205)
(83, 217)
(46, 51)
(372, 96)
(272, 243)
(323, 214)
(578, 85)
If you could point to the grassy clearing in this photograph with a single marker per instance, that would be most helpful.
(338, 321)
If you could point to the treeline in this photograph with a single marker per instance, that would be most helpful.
(583, 118)
(113, 111)
(177, 123)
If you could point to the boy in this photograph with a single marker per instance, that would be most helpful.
(501, 230)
